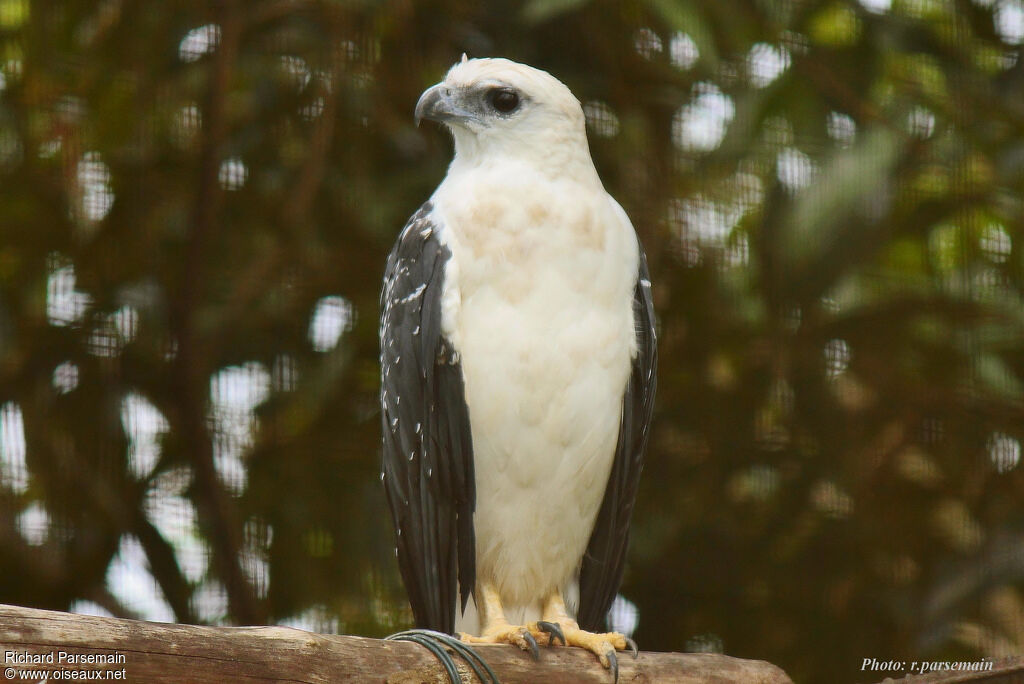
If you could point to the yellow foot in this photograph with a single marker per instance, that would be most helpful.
(602, 644)
(526, 637)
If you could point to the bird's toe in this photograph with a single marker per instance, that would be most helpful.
(602, 644)
(528, 637)
(528, 643)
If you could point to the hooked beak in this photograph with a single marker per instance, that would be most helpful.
(441, 103)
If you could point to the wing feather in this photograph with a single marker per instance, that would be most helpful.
(427, 461)
(603, 564)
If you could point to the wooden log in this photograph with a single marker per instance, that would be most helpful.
(48, 641)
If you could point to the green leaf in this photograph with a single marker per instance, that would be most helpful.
(850, 178)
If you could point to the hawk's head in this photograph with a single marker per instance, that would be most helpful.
(496, 106)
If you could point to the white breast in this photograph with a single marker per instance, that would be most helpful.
(538, 302)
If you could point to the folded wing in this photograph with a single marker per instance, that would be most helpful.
(427, 464)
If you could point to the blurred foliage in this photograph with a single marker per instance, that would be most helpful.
(195, 205)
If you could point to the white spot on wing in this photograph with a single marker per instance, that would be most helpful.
(415, 294)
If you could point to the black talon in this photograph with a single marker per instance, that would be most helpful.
(554, 630)
(633, 647)
(613, 663)
(532, 643)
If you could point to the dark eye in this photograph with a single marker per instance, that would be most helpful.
(503, 99)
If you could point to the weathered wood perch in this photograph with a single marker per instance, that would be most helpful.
(165, 653)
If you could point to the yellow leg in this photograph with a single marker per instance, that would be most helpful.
(495, 628)
(555, 626)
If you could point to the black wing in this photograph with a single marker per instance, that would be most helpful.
(428, 453)
(604, 561)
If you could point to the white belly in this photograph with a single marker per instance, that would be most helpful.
(542, 319)
(544, 407)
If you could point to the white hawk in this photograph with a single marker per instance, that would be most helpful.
(518, 359)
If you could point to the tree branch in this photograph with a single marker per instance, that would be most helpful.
(158, 653)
